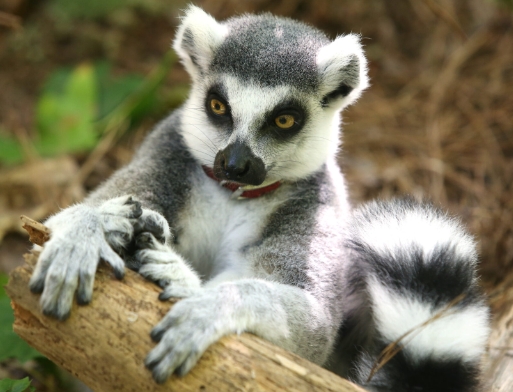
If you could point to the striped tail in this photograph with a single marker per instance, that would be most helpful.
(417, 267)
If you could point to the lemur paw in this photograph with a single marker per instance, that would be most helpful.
(119, 217)
(152, 222)
(81, 236)
(183, 335)
(161, 264)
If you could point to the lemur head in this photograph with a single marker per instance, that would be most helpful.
(266, 94)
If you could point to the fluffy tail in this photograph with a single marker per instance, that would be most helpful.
(417, 267)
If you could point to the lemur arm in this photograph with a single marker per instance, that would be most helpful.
(290, 300)
(103, 226)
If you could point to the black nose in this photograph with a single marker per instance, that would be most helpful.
(237, 163)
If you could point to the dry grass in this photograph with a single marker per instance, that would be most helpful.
(443, 129)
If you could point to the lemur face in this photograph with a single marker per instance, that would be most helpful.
(266, 94)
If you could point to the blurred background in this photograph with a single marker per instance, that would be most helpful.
(82, 82)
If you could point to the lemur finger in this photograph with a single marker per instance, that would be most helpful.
(112, 258)
(145, 240)
(60, 285)
(68, 289)
(124, 206)
(157, 253)
(119, 240)
(161, 328)
(37, 280)
(85, 285)
(158, 273)
(154, 223)
(52, 288)
(62, 279)
(136, 211)
(170, 362)
(188, 364)
(174, 290)
(168, 354)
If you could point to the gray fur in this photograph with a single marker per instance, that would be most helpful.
(162, 158)
(282, 51)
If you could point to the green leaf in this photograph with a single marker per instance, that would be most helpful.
(140, 100)
(10, 150)
(12, 345)
(65, 113)
(8, 385)
(113, 91)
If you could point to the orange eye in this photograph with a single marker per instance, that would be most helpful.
(217, 107)
(285, 121)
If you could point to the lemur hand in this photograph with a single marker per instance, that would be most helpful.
(81, 236)
(187, 330)
(158, 262)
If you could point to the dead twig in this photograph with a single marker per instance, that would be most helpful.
(446, 16)
(38, 233)
(10, 20)
(395, 347)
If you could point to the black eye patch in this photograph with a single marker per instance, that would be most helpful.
(285, 120)
(217, 107)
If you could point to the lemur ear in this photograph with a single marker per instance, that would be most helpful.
(196, 40)
(343, 70)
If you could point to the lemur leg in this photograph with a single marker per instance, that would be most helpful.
(279, 313)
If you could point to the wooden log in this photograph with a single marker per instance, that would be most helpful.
(104, 344)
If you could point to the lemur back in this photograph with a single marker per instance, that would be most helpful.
(235, 203)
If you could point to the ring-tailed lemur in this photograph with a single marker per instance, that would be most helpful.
(235, 203)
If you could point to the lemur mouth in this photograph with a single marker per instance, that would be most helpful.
(243, 191)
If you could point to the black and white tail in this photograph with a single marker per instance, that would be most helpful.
(417, 269)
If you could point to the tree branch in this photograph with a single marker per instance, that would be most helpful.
(104, 343)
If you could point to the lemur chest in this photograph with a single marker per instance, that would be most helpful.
(214, 228)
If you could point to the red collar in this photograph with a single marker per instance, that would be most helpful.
(238, 190)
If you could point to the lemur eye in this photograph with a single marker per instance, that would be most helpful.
(285, 121)
(217, 107)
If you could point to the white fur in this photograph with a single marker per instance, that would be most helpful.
(391, 235)
(317, 141)
(217, 227)
(334, 57)
(460, 333)
(162, 264)
(208, 35)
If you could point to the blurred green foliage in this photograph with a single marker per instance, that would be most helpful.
(66, 112)
(93, 9)
(77, 105)
(8, 385)
(12, 345)
(507, 3)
